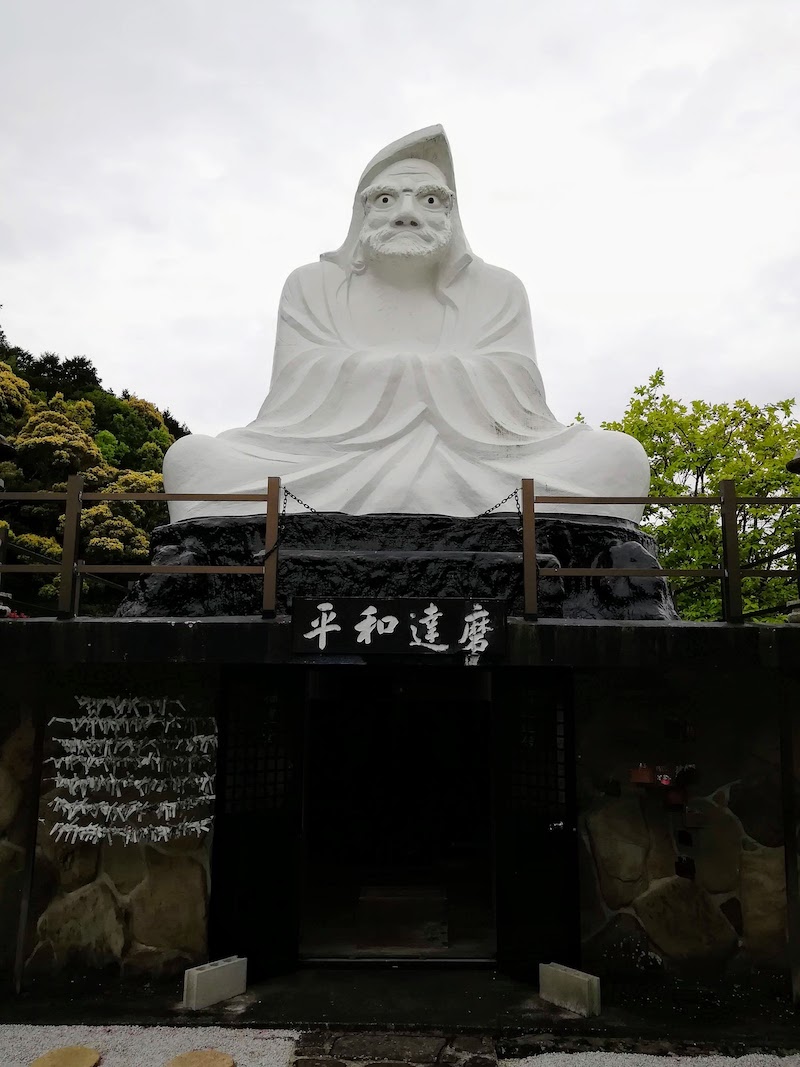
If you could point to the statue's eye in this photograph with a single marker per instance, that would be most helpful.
(431, 199)
(384, 199)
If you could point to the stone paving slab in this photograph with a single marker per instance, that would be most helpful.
(68, 1056)
(319, 1048)
(402, 1048)
(207, 1057)
(524, 1046)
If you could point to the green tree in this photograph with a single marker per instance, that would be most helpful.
(49, 374)
(61, 421)
(693, 447)
(51, 445)
(14, 399)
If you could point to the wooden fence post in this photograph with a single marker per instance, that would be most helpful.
(529, 569)
(69, 556)
(731, 565)
(268, 606)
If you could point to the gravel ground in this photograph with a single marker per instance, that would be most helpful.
(147, 1046)
(635, 1059)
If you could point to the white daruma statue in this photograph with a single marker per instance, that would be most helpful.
(405, 378)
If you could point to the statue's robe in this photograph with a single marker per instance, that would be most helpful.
(447, 429)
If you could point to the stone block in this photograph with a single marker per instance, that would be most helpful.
(17, 752)
(763, 900)
(84, 926)
(717, 848)
(124, 865)
(213, 982)
(683, 921)
(10, 797)
(202, 1057)
(168, 909)
(406, 1048)
(69, 1056)
(620, 841)
(145, 959)
(620, 948)
(343, 561)
(74, 862)
(565, 987)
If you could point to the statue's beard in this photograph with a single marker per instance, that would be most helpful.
(408, 242)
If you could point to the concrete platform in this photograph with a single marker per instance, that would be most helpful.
(671, 1013)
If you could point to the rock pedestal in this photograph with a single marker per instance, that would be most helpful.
(337, 555)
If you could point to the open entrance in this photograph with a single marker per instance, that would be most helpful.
(397, 814)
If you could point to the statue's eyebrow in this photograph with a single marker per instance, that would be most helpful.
(445, 194)
(427, 189)
(378, 190)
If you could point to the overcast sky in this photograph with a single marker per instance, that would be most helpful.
(164, 164)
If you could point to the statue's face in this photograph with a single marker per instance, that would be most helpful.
(407, 211)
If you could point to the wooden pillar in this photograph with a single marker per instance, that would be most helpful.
(271, 534)
(69, 556)
(732, 577)
(530, 574)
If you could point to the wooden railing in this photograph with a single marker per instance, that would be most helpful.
(730, 574)
(71, 569)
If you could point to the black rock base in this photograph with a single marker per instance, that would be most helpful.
(332, 554)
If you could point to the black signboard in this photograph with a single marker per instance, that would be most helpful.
(336, 626)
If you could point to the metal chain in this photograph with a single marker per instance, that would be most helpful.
(514, 493)
(302, 503)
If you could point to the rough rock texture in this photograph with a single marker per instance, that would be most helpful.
(124, 865)
(717, 848)
(661, 853)
(620, 947)
(17, 752)
(409, 555)
(756, 801)
(84, 926)
(732, 910)
(42, 960)
(10, 797)
(593, 911)
(684, 923)
(168, 909)
(407, 1048)
(12, 858)
(763, 900)
(620, 841)
(74, 862)
(146, 959)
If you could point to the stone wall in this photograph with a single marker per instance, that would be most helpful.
(138, 908)
(688, 877)
(16, 760)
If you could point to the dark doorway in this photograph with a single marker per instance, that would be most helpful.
(256, 857)
(397, 814)
(536, 850)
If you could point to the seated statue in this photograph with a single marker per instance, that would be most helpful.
(405, 376)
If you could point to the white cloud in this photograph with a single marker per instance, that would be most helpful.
(166, 164)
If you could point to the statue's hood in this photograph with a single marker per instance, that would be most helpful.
(431, 145)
